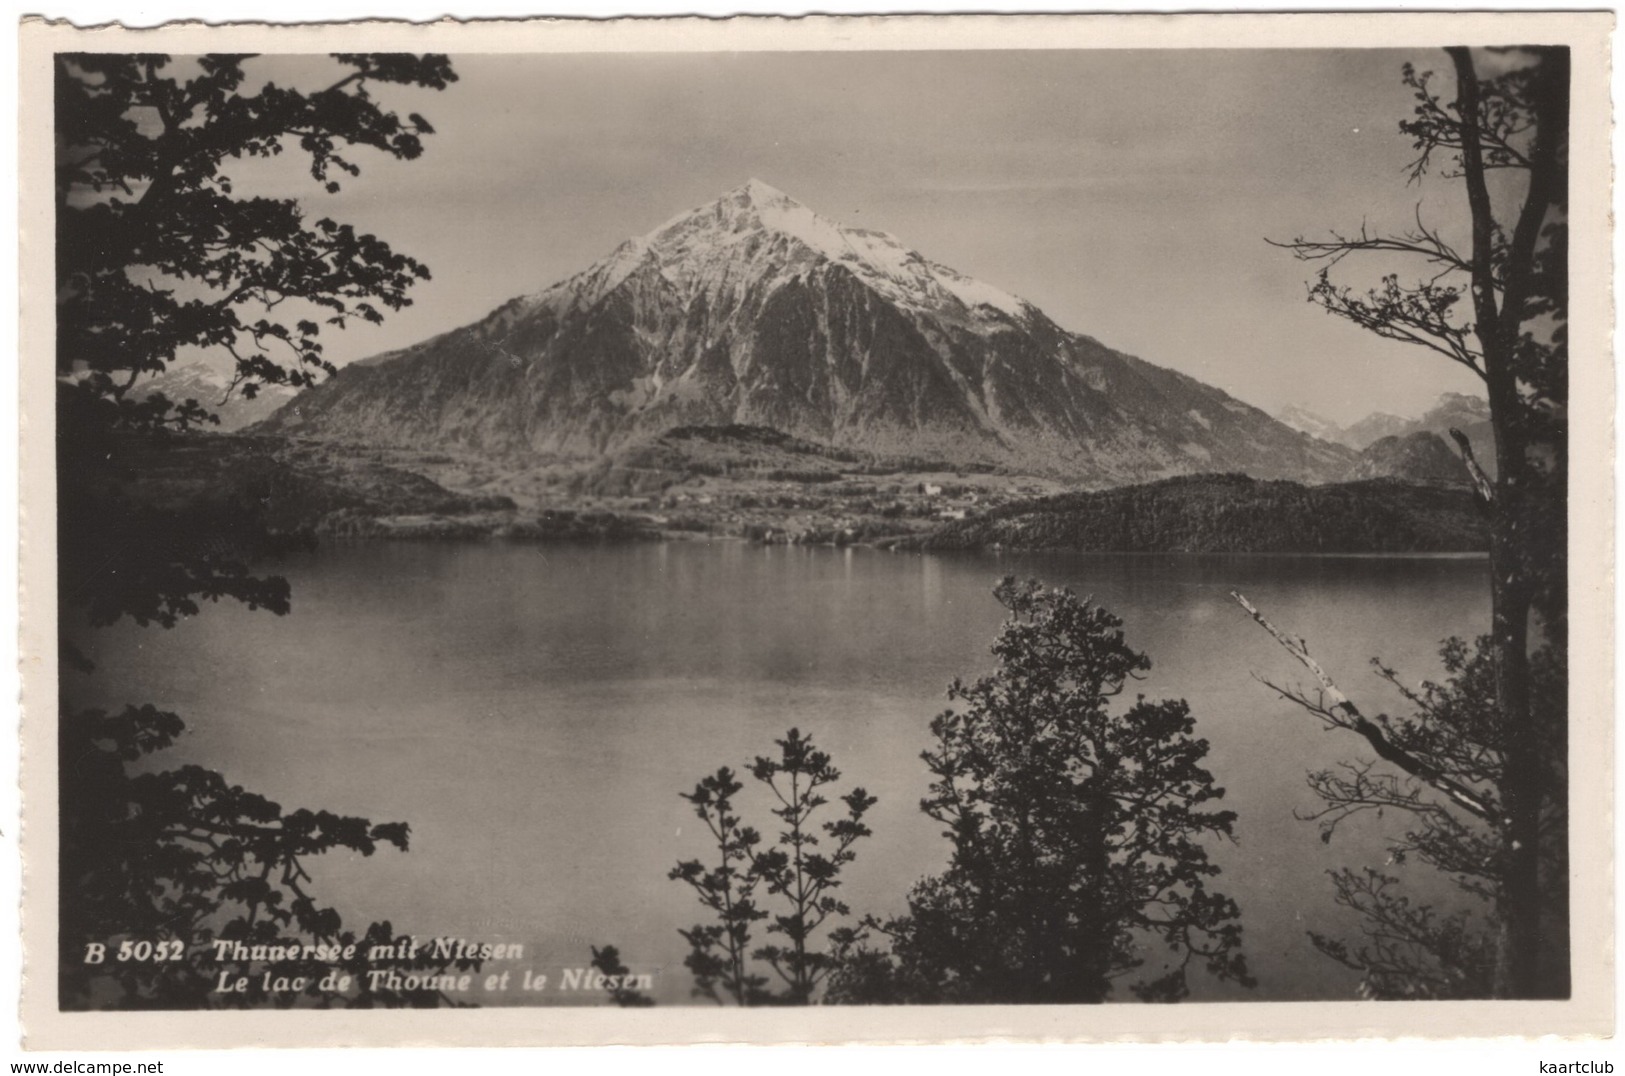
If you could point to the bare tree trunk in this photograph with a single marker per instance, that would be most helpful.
(1515, 122)
(1091, 969)
(1498, 330)
(1517, 971)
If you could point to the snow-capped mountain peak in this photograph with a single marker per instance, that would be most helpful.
(206, 379)
(1306, 421)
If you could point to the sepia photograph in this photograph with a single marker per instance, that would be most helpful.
(831, 516)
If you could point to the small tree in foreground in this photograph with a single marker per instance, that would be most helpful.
(1076, 832)
(607, 961)
(793, 871)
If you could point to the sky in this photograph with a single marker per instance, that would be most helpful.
(1129, 194)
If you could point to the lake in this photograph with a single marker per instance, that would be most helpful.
(534, 711)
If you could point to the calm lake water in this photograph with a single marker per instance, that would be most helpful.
(534, 711)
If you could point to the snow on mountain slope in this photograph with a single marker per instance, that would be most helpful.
(202, 380)
(1306, 421)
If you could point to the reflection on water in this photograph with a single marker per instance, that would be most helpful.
(534, 711)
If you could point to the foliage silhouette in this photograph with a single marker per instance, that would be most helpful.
(155, 254)
(793, 870)
(608, 961)
(1076, 832)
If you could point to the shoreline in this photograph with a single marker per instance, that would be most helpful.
(892, 545)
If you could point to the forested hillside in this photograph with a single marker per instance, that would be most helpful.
(1232, 514)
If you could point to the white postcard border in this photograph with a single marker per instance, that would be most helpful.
(1588, 1013)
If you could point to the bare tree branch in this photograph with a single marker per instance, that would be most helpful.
(1481, 481)
(1344, 714)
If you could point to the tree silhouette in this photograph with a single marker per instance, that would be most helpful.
(607, 960)
(156, 254)
(1451, 761)
(1076, 832)
(793, 869)
(1497, 306)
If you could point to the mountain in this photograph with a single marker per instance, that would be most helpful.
(1374, 427)
(1422, 456)
(1453, 410)
(1414, 450)
(1457, 409)
(203, 381)
(1470, 415)
(754, 310)
(1306, 421)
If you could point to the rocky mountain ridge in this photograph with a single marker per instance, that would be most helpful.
(754, 310)
(204, 381)
(1470, 414)
(1421, 456)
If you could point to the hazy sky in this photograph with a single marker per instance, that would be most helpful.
(1128, 194)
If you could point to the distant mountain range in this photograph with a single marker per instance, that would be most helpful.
(1415, 449)
(754, 310)
(1306, 421)
(202, 380)
(1422, 456)
(1374, 427)
(1469, 414)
